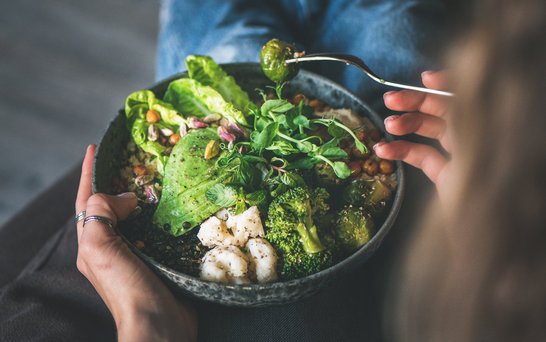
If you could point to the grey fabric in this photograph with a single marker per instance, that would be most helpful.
(25, 233)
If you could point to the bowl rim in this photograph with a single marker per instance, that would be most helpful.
(347, 262)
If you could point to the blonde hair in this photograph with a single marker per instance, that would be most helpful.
(478, 272)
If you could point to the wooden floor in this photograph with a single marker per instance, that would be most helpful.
(65, 68)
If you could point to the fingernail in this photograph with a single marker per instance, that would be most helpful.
(377, 145)
(427, 72)
(126, 195)
(389, 93)
(391, 118)
(135, 212)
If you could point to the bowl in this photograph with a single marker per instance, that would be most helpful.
(249, 76)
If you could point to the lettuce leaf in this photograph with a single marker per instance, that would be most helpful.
(190, 97)
(188, 176)
(137, 105)
(205, 70)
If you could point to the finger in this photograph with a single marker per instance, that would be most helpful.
(115, 208)
(414, 101)
(423, 157)
(436, 79)
(85, 190)
(422, 124)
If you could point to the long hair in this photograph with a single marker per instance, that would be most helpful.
(478, 271)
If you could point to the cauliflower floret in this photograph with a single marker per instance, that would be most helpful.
(263, 260)
(225, 264)
(245, 225)
(214, 232)
(222, 214)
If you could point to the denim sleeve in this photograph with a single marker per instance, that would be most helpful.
(228, 31)
(398, 39)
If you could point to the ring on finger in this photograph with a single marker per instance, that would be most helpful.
(100, 219)
(80, 216)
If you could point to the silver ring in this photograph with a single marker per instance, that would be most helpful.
(80, 216)
(100, 219)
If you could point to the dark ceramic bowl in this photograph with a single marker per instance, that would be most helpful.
(250, 77)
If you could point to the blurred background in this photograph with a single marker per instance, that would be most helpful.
(65, 69)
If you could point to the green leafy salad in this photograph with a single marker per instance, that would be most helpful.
(243, 187)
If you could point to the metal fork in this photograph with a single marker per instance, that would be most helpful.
(359, 63)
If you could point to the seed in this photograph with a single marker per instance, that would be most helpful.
(166, 132)
(356, 167)
(139, 170)
(196, 123)
(151, 194)
(298, 98)
(212, 118)
(174, 138)
(386, 167)
(223, 122)
(153, 133)
(225, 135)
(370, 166)
(212, 149)
(316, 104)
(357, 154)
(183, 129)
(139, 244)
(152, 116)
(186, 225)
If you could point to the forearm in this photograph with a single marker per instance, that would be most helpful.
(138, 323)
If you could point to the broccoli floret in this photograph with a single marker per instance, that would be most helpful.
(292, 231)
(354, 228)
(319, 202)
(370, 194)
(294, 210)
(295, 262)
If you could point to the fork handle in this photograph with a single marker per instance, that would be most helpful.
(350, 59)
(421, 89)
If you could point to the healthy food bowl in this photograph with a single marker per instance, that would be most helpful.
(165, 253)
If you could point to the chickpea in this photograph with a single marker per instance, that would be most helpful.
(370, 166)
(356, 167)
(152, 116)
(139, 170)
(386, 167)
(174, 138)
(360, 135)
(357, 154)
(298, 98)
(316, 104)
(139, 244)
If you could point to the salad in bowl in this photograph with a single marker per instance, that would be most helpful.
(254, 192)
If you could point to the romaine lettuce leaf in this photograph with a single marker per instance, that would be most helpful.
(188, 176)
(190, 97)
(137, 105)
(205, 70)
